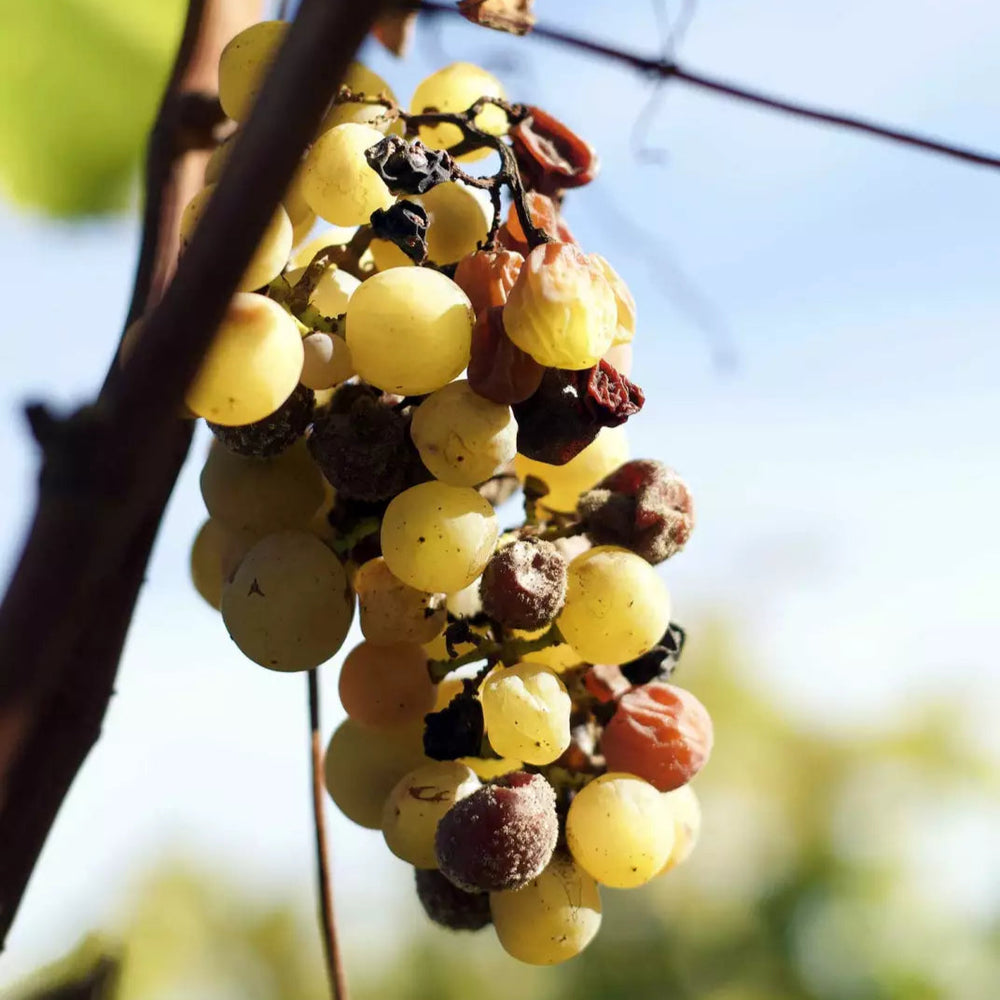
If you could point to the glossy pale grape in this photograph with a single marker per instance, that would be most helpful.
(457, 221)
(252, 364)
(362, 765)
(566, 482)
(456, 88)
(562, 310)
(393, 611)
(333, 290)
(386, 685)
(289, 605)
(617, 607)
(409, 330)
(337, 182)
(526, 710)
(462, 438)
(551, 919)
(685, 809)
(416, 804)
(272, 251)
(437, 537)
(244, 63)
(261, 495)
(624, 303)
(620, 830)
(326, 361)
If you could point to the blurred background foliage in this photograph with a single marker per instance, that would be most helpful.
(809, 884)
(79, 85)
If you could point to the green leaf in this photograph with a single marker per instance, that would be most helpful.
(80, 81)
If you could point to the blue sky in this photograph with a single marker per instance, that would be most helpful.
(845, 465)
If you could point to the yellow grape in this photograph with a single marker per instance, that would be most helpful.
(252, 365)
(566, 482)
(456, 88)
(206, 561)
(561, 309)
(387, 255)
(526, 710)
(331, 236)
(393, 611)
(463, 439)
(617, 607)
(289, 605)
(218, 159)
(624, 303)
(559, 656)
(261, 495)
(487, 768)
(337, 181)
(437, 537)
(409, 330)
(244, 64)
(686, 812)
(362, 765)
(326, 362)
(553, 918)
(361, 80)
(445, 690)
(457, 221)
(271, 254)
(386, 685)
(333, 290)
(465, 603)
(416, 804)
(620, 830)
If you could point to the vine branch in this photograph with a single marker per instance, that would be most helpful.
(669, 69)
(109, 469)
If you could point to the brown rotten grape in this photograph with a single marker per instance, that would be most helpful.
(659, 732)
(272, 435)
(643, 506)
(524, 584)
(501, 836)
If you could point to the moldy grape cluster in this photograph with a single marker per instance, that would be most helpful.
(375, 391)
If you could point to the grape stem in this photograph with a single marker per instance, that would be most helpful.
(331, 946)
(509, 651)
(473, 138)
(508, 175)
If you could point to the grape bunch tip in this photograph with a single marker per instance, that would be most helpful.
(408, 345)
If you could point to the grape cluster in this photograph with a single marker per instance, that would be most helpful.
(511, 728)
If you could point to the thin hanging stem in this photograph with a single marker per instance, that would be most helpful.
(328, 920)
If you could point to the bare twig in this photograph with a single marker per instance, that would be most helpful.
(669, 69)
(331, 946)
(109, 469)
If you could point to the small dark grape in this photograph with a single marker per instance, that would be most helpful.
(272, 435)
(524, 584)
(660, 662)
(362, 445)
(450, 906)
(501, 836)
(456, 731)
